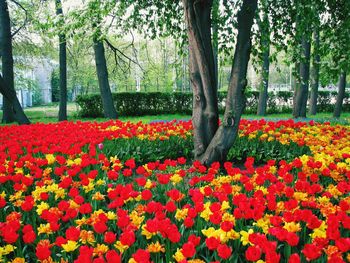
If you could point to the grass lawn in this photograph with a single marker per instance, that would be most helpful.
(49, 113)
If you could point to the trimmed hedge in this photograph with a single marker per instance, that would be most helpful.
(153, 103)
(137, 103)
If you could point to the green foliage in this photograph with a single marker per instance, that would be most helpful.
(144, 151)
(292, 20)
(137, 103)
(325, 101)
(263, 151)
(252, 101)
(162, 64)
(166, 18)
(182, 102)
(152, 103)
(272, 103)
(37, 97)
(335, 40)
(55, 86)
(285, 95)
(90, 105)
(285, 101)
(162, 18)
(143, 103)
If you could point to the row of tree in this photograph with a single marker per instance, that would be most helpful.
(306, 30)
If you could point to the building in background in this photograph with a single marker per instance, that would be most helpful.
(33, 81)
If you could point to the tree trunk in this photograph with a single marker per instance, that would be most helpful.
(315, 72)
(340, 96)
(215, 30)
(12, 109)
(263, 93)
(295, 85)
(7, 116)
(15, 106)
(62, 112)
(205, 116)
(165, 65)
(265, 43)
(185, 71)
(7, 59)
(235, 101)
(102, 75)
(302, 90)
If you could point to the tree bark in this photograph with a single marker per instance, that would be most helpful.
(235, 101)
(102, 75)
(215, 30)
(301, 95)
(8, 115)
(263, 93)
(12, 109)
(62, 112)
(7, 59)
(295, 84)
(205, 116)
(315, 74)
(265, 43)
(15, 106)
(340, 96)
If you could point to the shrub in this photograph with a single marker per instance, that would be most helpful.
(152, 103)
(346, 104)
(252, 97)
(55, 86)
(324, 101)
(137, 103)
(90, 105)
(271, 103)
(182, 102)
(285, 100)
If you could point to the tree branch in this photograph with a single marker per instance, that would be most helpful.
(121, 53)
(25, 20)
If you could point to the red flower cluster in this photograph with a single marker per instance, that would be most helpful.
(63, 199)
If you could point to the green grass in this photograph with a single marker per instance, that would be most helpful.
(49, 113)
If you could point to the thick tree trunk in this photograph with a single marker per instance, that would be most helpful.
(205, 117)
(295, 84)
(62, 112)
(315, 72)
(7, 111)
(12, 109)
(305, 76)
(102, 75)
(7, 59)
(265, 43)
(301, 95)
(235, 101)
(215, 30)
(340, 96)
(263, 92)
(15, 106)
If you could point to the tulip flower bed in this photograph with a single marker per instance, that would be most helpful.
(64, 197)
